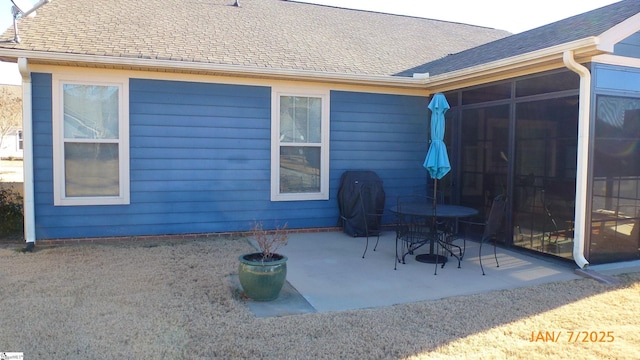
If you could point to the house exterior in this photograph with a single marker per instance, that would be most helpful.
(201, 117)
(10, 127)
(12, 144)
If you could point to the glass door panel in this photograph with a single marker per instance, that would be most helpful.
(483, 159)
(544, 178)
(615, 206)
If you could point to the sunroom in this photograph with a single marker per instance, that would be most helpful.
(522, 138)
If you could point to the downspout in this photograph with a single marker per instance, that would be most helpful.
(27, 133)
(584, 125)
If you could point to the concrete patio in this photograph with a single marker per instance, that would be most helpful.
(326, 272)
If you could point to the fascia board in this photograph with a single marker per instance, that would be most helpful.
(617, 60)
(230, 70)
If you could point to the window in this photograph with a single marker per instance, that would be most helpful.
(299, 145)
(552, 82)
(20, 141)
(615, 202)
(90, 141)
(494, 92)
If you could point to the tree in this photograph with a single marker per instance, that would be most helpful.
(10, 110)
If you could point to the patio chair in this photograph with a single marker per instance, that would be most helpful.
(491, 226)
(445, 242)
(412, 231)
(446, 233)
(372, 212)
(559, 206)
(447, 229)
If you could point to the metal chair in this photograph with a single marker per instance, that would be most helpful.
(372, 220)
(445, 242)
(412, 232)
(559, 206)
(491, 226)
(446, 229)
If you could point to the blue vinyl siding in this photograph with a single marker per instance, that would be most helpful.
(200, 159)
(383, 133)
(42, 148)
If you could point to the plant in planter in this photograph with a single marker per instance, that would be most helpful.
(262, 274)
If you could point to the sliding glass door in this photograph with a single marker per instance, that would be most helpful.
(544, 175)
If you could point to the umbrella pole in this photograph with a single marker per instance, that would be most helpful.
(434, 222)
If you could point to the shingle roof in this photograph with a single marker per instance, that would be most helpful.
(592, 23)
(269, 34)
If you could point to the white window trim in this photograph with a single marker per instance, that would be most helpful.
(324, 94)
(60, 199)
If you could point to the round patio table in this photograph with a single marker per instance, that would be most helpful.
(425, 211)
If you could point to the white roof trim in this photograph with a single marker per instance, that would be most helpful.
(505, 68)
(611, 59)
(233, 70)
(618, 33)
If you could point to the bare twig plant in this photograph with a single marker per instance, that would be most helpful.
(269, 241)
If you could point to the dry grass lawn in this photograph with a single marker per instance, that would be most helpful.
(175, 300)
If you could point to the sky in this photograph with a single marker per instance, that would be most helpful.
(511, 15)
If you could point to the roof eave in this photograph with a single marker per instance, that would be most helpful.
(211, 69)
(535, 61)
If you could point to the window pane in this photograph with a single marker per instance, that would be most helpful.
(300, 119)
(545, 173)
(452, 98)
(286, 119)
(315, 115)
(567, 80)
(91, 169)
(615, 221)
(485, 145)
(500, 91)
(90, 111)
(299, 169)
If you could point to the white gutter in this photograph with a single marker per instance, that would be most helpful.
(27, 133)
(584, 124)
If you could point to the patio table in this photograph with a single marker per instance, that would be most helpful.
(424, 212)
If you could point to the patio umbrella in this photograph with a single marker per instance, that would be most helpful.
(437, 160)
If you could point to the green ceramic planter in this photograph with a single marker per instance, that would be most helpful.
(262, 280)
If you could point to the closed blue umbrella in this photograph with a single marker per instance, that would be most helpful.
(437, 160)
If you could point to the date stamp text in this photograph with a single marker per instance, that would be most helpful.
(573, 336)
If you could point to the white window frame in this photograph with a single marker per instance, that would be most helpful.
(59, 196)
(324, 95)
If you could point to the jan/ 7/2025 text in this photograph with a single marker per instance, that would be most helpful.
(573, 336)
